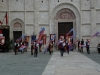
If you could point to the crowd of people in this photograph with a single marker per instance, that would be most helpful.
(82, 44)
(64, 45)
(35, 47)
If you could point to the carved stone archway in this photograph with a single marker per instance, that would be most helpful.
(65, 15)
(65, 12)
(17, 25)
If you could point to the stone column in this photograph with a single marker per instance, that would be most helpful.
(93, 23)
(50, 17)
(80, 33)
(56, 29)
(37, 2)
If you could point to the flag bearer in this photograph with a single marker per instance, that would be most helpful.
(50, 47)
(16, 45)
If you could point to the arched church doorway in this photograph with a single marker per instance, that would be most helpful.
(66, 21)
(18, 29)
(17, 34)
(65, 13)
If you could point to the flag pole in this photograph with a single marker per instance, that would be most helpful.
(4, 19)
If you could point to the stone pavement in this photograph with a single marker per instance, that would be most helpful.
(23, 64)
(74, 63)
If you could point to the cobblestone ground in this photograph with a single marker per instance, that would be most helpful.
(23, 64)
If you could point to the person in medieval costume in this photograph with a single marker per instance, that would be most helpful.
(82, 44)
(32, 48)
(36, 49)
(16, 47)
(26, 44)
(70, 46)
(62, 46)
(67, 46)
(79, 45)
(50, 47)
(40, 45)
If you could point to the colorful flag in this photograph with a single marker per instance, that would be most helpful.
(53, 38)
(96, 34)
(69, 31)
(58, 42)
(42, 30)
(40, 34)
(1, 22)
(74, 34)
(45, 50)
(22, 47)
(82, 45)
(19, 39)
(72, 37)
(6, 16)
(41, 42)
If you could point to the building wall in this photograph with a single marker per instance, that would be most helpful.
(34, 14)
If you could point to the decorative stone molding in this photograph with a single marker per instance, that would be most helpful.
(17, 25)
(65, 14)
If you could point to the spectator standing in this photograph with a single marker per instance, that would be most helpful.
(82, 44)
(88, 46)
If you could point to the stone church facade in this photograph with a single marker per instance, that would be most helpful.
(26, 17)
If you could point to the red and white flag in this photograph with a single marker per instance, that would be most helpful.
(6, 16)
